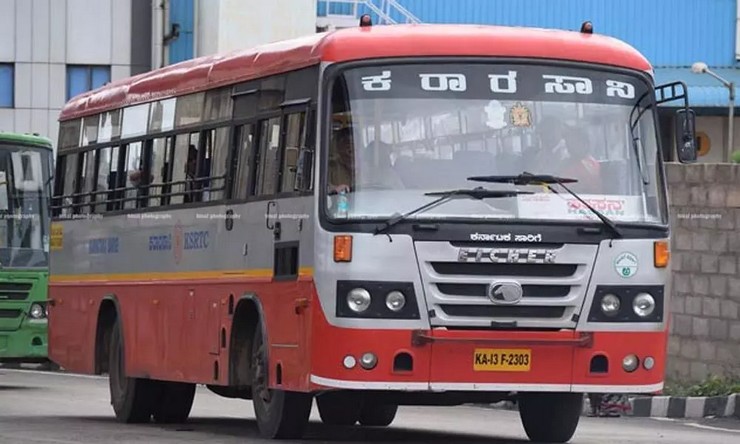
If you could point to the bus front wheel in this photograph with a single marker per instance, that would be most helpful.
(377, 415)
(280, 414)
(550, 417)
(339, 408)
(133, 399)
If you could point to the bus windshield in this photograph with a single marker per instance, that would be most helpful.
(401, 131)
(24, 206)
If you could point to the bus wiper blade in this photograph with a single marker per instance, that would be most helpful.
(479, 193)
(474, 193)
(543, 179)
(524, 179)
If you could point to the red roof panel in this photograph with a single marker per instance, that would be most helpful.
(355, 44)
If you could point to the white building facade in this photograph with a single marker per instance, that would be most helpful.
(52, 50)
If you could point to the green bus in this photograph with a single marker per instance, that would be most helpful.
(25, 191)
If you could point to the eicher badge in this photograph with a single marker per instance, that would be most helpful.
(520, 115)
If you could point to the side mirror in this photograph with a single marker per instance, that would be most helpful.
(686, 136)
(303, 175)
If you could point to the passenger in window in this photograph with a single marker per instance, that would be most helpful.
(204, 181)
(582, 166)
(191, 181)
(341, 167)
(553, 152)
(137, 178)
(378, 171)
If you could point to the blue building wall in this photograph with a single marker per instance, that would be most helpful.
(668, 32)
(182, 12)
(672, 34)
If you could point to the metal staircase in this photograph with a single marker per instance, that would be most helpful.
(335, 14)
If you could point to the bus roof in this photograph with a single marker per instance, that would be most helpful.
(26, 139)
(359, 43)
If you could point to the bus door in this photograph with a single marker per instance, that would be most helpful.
(287, 213)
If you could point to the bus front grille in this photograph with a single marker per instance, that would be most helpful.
(457, 288)
(14, 291)
(8, 313)
(503, 270)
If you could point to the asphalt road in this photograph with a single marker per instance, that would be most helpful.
(38, 407)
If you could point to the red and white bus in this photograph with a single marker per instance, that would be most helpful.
(371, 217)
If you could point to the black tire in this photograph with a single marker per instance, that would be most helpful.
(339, 408)
(550, 417)
(174, 403)
(133, 399)
(378, 415)
(280, 414)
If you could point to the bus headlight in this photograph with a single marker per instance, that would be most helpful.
(643, 305)
(368, 361)
(37, 311)
(610, 305)
(395, 301)
(358, 300)
(630, 363)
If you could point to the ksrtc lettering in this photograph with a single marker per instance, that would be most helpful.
(196, 240)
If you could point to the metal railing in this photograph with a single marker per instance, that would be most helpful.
(339, 12)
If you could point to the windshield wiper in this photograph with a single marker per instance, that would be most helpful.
(544, 179)
(473, 193)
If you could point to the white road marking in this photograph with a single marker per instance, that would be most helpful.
(706, 427)
(698, 426)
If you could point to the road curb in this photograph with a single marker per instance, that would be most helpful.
(686, 407)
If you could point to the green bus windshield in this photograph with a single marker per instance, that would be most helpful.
(25, 190)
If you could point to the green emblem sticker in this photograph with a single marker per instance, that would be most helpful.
(626, 264)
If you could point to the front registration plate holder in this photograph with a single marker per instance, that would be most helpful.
(502, 360)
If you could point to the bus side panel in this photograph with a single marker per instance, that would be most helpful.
(173, 276)
(72, 326)
(170, 332)
(173, 330)
(287, 310)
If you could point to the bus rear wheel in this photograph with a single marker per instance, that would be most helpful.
(280, 414)
(339, 408)
(550, 417)
(174, 403)
(375, 414)
(133, 399)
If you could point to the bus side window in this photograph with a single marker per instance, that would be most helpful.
(205, 162)
(87, 181)
(161, 173)
(184, 169)
(295, 138)
(218, 148)
(244, 142)
(70, 183)
(267, 164)
(135, 174)
(103, 181)
(115, 179)
(58, 199)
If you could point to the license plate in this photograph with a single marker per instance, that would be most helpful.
(502, 360)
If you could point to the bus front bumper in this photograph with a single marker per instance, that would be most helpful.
(27, 344)
(463, 361)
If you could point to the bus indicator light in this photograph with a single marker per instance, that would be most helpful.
(662, 254)
(342, 248)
